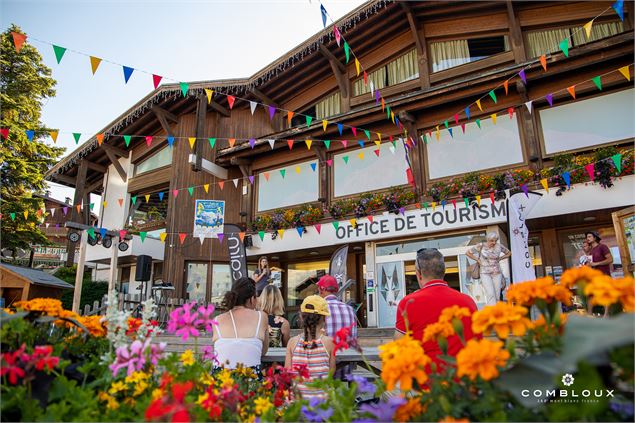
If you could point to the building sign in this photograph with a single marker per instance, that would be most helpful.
(209, 216)
(237, 255)
(520, 205)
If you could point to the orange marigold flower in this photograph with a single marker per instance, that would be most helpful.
(402, 361)
(481, 358)
(503, 318)
(450, 419)
(438, 330)
(48, 306)
(603, 291)
(578, 276)
(94, 325)
(527, 293)
(409, 410)
(626, 286)
(454, 312)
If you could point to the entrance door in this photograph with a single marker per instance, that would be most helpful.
(391, 289)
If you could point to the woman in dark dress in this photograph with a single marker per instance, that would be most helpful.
(262, 275)
(272, 303)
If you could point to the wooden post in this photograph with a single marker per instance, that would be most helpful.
(112, 274)
(201, 114)
(79, 276)
(80, 181)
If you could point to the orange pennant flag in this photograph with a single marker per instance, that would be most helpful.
(120, 201)
(324, 123)
(206, 187)
(94, 63)
(241, 235)
(545, 184)
(267, 176)
(232, 141)
(543, 62)
(54, 135)
(506, 85)
(182, 237)
(221, 184)
(383, 105)
(624, 70)
(571, 90)
(79, 207)
(100, 138)
(18, 40)
(478, 103)
(192, 141)
(289, 117)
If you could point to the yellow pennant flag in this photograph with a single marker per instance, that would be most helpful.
(163, 235)
(361, 156)
(324, 123)
(434, 205)
(297, 170)
(377, 143)
(379, 136)
(478, 200)
(105, 204)
(147, 198)
(478, 103)
(587, 27)
(494, 118)
(192, 141)
(353, 222)
(206, 187)
(545, 184)
(392, 116)
(209, 94)
(26, 214)
(624, 70)
(357, 66)
(308, 144)
(54, 135)
(438, 133)
(94, 63)
(280, 233)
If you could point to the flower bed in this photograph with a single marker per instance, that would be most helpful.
(61, 367)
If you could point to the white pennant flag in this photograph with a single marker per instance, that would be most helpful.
(235, 181)
(372, 88)
(47, 225)
(201, 237)
(252, 105)
(529, 105)
(52, 212)
(392, 149)
(507, 191)
(271, 142)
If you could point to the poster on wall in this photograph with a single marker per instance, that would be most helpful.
(391, 289)
(209, 216)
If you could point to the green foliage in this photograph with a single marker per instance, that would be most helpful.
(25, 83)
(91, 290)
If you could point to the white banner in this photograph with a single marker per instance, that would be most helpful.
(520, 204)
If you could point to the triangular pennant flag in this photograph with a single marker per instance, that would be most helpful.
(156, 80)
(18, 40)
(147, 197)
(94, 63)
(361, 156)
(587, 28)
(571, 90)
(184, 88)
(170, 140)
(283, 172)
(143, 235)
(122, 233)
(354, 130)
(324, 124)
(281, 233)
(252, 143)
(26, 216)
(91, 205)
(438, 133)
(598, 82)
(353, 222)
(376, 152)
(545, 184)
(127, 139)
(53, 212)
(102, 232)
(261, 234)
(252, 106)
(318, 228)
(492, 94)
(361, 143)
(309, 119)
(231, 99)
(618, 6)
(221, 185)
(182, 237)
(162, 194)
(232, 142)
(564, 46)
(466, 201)
(241, 235)
(590, 169)
(370, 218)
(491, 197)
(543, 62)
(76, 136)
(478, 104)
(327, 144)
(300, 230)
(53, 135)
(365, 78)
(192, 140)
(338, 37)
(443, 202)
(522, 75)
(625, 70)
(345, 158)
(453, 202)
(493, 116)
(175, 193)
(447, 125)
(133, 199)
(478, 200)
(329, 162)
(209, 93)
(525, 189)
(617, 161)
(201, 238)
(529, 105)
(205, 187)
(308, 144)
(567, 179)
(344, 143)
(357, 66)
(323, 12)
(212, 142)
(190, 190)
(120, 201)
(127, 73)
(506, 85)
(549, 98)
(100, 138)
(434, 205)
(367, 132)
(313, 166)
(12, 216)
(91, 232)
(148, 140)
(347, 52)
(340, 128)
(290, 144)
(30, 133)
(272, 112)
(289, 117)
(510, 112)
(65, 210)
(450, 131)
(267, 176)
(467, 112)
(235, 181)
(59, 53)
(162, 236)
(478, 123)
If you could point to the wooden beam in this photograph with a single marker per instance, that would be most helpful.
(116, 150)
(422, 48)
(63, 178)
(97, 167)
(77, 198)
(339, 70)
(238, 161)
(263, 97)
(320, 152)
(405, 116)
(214, 106)
(115, 161)
(331, 57)
(201, 114)
(516, 36)
(92, 187)
(163, 116)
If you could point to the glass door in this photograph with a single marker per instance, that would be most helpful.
(391, 289)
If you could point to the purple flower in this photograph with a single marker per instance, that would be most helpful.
(156, 352)
(363, 385)
(383, 411)
(209, 354)
(206, 317)
(131, 358)
(314, 414)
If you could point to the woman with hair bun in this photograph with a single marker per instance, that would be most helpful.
(241, 336)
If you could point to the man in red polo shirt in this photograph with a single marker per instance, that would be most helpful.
(423, 307)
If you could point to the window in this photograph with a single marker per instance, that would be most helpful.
(476, 149)
(548, 41)
(221, 283)
(276, 190)
(301, 280)
(155, 161)
(363, 175)
(149, 213)
(448, 54)
(590, 122)
(453, 241)
(404, 68)
(196, 282)
(330, 106)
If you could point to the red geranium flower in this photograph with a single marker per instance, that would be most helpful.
(341, 339)
(11, 367)
(42, 358)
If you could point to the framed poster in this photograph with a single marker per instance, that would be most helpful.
(209, 216)
(624, 223)
(391, 289)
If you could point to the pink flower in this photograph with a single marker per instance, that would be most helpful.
(183, 322)
(132, 358)
(209, 354)
(206, 318)
(156, 352)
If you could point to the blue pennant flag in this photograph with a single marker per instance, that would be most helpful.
(170, 141)
(30, 134)
(450, 131)
(567, 179)
(323, 10)
(340, 128)
(313, 165)
(467, 112)
(161, 194)
(443, 202)
(361, 143)
(300, 230)
(127, 73)
(102, 232)
(618, 6)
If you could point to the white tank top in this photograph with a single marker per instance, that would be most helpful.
(247, 351)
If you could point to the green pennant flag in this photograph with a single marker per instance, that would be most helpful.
(91, 232)
(327, 144)
(466, 201)
(564, 46)
(59, 53)
(446, 124)
(336, 224)
(598, 82)
(617, 160)
(425, 138)
(478, 123)
(309, 119)
(347, 51)
(190, 190)
(367, 132)
(91, 205)
(261, 234)
(12, 216)
(184, 88)
(493, 95)
(283, 172)
(345, 158)
(425, 205)
(394, 144)
(143, 235)
(127, 139)
(212, 142)
(387, 112)
(134, 200)
(76, 136)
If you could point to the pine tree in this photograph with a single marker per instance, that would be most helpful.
(25, 83)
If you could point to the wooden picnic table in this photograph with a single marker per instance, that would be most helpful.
(277, 355)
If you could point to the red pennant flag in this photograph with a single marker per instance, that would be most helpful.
(148, 140)
(365, 78)
(454, 203)
(18, 40)
(418, 205)
(511, 112)
(4, 132)
(182, 237)
(318, 228)
(122, 233)
(354, 131)
(463, 127)
(491, 197)
(590, 169)
(221, 184)
(290, 144)
(267, 176)
(376, 152)
(156, 79)
(370, 218)
(543, 62)
(120, 201)
(230, 100)
(571, 90)
(506, 85)
(456, 118)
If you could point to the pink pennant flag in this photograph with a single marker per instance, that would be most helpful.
(175, 192)
(354, 131)
(370, 218)
(318, 228)
(329, 162)
(338, 37)
(590, 169)
(156, 80)
(230, 100)
(344, 143)
(148, 140)
(123, 233)
(463, 127)
(456, 118)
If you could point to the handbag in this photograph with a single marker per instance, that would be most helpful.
(474, 270)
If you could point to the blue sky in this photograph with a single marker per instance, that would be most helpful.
(184, 40)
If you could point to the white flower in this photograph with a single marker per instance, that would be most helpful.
(567, 379)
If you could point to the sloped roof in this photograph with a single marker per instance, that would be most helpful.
(37, 277)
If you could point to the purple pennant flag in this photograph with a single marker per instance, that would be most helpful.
(272, 111)
(402, 210)
(523, 76)
(65, 210)
(57, 225)
(549, 98)
(300, 230)
(525, 189)
(340, 128)
(252, 143)
(377, 96)
(251, 179)
(220, 237)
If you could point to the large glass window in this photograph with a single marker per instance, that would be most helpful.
(301, 280)
(548, 41)
(276, 190)
(491, 146)
(448, 54)
(196, 282)
(221, 283)
(587, 123)
(329, 106)
(358, 175)
(453, 241)
(155, 161)
(404, 68)
(571, 244)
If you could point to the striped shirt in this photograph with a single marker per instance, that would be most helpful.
(342, 315)
(316, 360)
